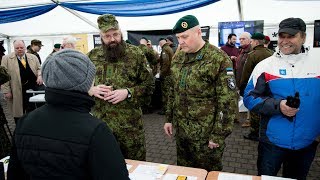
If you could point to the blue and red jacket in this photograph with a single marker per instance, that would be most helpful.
(273, 80)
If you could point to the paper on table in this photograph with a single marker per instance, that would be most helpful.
(5, 161)
(174, 177)
(156, 171)
(264, 177)
(128, 166)
(229, 176)
(141, 176)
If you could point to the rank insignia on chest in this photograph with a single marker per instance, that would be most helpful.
(199, 57)
(109, 71)
(182, 83)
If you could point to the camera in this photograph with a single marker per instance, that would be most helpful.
(294, 102)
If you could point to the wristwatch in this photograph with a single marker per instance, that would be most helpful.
(129, 94)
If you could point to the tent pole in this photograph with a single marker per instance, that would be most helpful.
(77, 14)
(8, 45)
(240, 10)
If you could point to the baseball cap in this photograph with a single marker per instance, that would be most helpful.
(292, 26)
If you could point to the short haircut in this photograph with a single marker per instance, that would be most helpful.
(145, 38)
(246, 34)
(18, 40)
(69, 40)
(230, 35)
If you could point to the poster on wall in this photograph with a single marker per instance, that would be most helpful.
(82, 42)
(155, 35)
(316, 37)
(96, 40)
(237, 28)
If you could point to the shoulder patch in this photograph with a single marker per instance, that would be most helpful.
(231, 83)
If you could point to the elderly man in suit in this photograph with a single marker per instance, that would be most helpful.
(24, 70)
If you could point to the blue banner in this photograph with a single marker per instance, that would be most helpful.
(19, 14)
(135, 8)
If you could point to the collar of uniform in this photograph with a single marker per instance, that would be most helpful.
(259, 47)
(197, 56)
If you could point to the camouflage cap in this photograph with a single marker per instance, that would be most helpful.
(107, 22)
(185, 23)
(36, 42)
(257, 36)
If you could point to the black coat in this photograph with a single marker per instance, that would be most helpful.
(62, 141)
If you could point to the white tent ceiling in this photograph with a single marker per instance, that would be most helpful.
(61, 21)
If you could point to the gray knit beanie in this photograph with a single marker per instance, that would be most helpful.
(68, 70)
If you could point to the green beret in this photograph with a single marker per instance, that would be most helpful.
(107, 22)
(57, 46)
(36, 42)
(257, 36)
(185, 23)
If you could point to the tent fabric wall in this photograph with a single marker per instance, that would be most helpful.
(131, 8)
(59, 22)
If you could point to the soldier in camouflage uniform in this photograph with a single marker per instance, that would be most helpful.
(165, 64)
(5, 145)
(151, 63)
(258, 53)
(201, 103)
(122, 80)
(149, 54)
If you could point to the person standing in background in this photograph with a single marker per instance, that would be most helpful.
(24, 70)
(34, 48)
(231, 49)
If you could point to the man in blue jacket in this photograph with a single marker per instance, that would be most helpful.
(284, 89)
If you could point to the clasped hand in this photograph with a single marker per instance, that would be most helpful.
(108, 94)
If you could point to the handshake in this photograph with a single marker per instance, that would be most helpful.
(293, 102)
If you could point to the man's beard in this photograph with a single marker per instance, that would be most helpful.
(113, 51)
(232, 44)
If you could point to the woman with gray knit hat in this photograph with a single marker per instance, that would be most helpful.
(61, 140)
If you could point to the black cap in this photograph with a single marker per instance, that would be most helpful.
(160, 39)
(292, 26)
(170, 38)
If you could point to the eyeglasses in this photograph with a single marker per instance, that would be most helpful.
(108, 36)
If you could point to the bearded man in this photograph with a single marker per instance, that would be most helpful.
(122, 79)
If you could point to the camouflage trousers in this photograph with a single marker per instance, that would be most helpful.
(131, 142)
(5, 144)
(165, 87)
(255, 123)
(197, 154)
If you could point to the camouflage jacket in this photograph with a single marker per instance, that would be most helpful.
(202, 100)
(149, 54)
(130, 73)
(258, 54)
(4, 76)
(165, 60)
